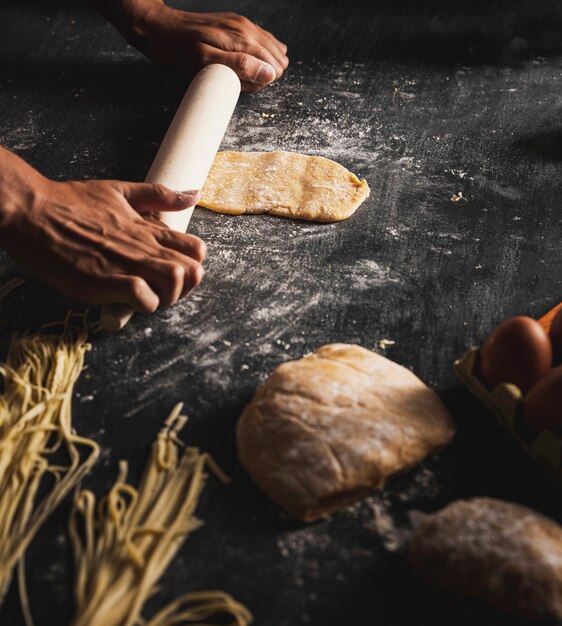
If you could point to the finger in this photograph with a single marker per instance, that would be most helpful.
(251, 87)
(249, 42)
(169, 282)
(131, 290)
(248, 68)
(280, 45)
(275, 47)
(148, 197)
(172, 280)
(188, 245)
(283, 60)
(261, 52)
(168, 273)
(257, 45)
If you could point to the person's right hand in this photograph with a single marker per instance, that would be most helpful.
(90, 240)
(187, 41)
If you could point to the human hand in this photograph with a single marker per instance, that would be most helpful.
(95, 240)
(187, 41)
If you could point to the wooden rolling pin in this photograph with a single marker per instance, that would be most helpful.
(187, 152)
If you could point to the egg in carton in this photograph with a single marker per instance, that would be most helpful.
(506, 401)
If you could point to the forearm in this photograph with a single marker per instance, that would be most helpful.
(19, 185)
(128, 16)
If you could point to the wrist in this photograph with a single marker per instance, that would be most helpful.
(132, 18)
(20, 186)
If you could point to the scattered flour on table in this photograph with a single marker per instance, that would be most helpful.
(25, 136)
(384, 513)
(367, 273)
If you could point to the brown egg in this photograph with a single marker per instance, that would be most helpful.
(518, 351)
(556, 334)
(543, 404)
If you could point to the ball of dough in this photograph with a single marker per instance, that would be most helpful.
(322, 431)
(504, 553)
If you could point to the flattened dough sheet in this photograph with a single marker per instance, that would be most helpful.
(282, 183)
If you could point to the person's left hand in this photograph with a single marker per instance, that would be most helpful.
(188, 41)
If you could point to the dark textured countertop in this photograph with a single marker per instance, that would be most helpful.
(424, 100)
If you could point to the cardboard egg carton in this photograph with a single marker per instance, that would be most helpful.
(506, 401)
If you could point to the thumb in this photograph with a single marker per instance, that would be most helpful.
(249, 68)
(152, 197)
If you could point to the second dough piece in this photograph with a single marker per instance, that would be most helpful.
(282, 183)
(504, 553)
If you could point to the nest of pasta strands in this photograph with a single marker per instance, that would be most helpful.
(123, 544)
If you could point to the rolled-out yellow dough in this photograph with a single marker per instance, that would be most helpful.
(282, 183)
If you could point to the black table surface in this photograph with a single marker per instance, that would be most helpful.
(424, 100)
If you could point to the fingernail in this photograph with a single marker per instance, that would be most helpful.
(189, 197)
(265, 74)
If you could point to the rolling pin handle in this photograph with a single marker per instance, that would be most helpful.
(114, 316)
(187, 152)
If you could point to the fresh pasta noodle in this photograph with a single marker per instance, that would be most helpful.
(41, 456)
(192, 608)
(123, 544)
(128, 540)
